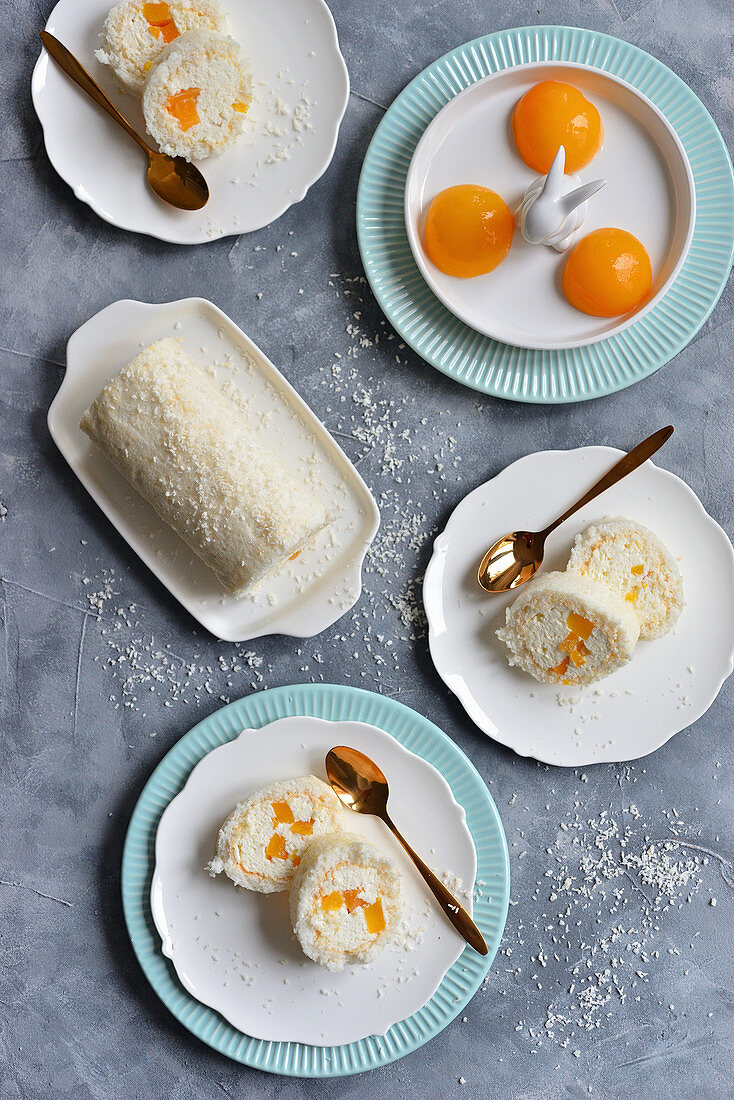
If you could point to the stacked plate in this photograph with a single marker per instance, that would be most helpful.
(326, 1024)
(669, 181)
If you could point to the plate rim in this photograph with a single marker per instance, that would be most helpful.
(334, 702)
(504, 371)
(157, 878)
(625, 323)
(482, 720)
(353, 569)
(81, 193)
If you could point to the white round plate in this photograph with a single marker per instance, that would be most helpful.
(650, 192)
(308, 594)
(667, 685)
(234, 950)
(301, 92)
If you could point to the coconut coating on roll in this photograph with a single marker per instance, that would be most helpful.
(189, 451)
(196, 95)
(565, 628)
(136, 32)
(635, 564)
(345, 901)
(264, 838)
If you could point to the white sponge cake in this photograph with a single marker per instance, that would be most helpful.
(196, 95)
(190, 452)
(264, 838)
(345, 901)
(565, 628)
(135, 33)
(635, 564)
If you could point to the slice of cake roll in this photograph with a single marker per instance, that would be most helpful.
(264, 838)
(188, 449)
(634, 563)
(565, 628)
(345, 901)
(196, 95)
(136, 32)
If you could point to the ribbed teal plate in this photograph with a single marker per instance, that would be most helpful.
(522, 374)
(333, 703)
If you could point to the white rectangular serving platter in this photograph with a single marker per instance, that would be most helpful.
(310, 593)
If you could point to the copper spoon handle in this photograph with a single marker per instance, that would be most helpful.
(626, 465)
(80, 76)
(456, 912)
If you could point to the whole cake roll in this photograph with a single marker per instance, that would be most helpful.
(565, 628)
(189, 451)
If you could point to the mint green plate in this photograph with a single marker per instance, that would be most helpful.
(335, 704)
(522, 374)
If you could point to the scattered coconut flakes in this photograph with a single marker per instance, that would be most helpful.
(607, 872)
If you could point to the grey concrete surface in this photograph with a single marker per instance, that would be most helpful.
(615, 978)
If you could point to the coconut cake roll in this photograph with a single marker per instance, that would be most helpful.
(196, 95)
(135, 33)
(345, 901)
(262, 841)
(633, 562)
(565, 628)
(188, 450)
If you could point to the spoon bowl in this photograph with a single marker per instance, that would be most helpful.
(176, 181)
(361, 786)
(511, 561)
(357, 781)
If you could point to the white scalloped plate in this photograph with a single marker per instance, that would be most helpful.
(234, 950)
(293, 52)
(668, 684)
(310, 593)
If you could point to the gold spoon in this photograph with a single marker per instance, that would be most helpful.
(361, 786)
(173, 179)
(516, 557)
